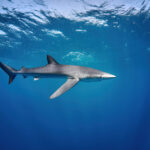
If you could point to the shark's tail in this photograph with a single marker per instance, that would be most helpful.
(10, 71)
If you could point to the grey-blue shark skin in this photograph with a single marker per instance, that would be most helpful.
(54, 69)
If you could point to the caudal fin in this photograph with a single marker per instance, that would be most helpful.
(10, 71)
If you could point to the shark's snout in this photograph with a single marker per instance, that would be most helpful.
(107, 75)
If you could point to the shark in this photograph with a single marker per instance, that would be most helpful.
(73, 73)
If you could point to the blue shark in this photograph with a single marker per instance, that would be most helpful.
(73, 73)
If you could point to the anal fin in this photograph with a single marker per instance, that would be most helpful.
(35, 79)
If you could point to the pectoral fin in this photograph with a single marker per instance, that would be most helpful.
(65, 87)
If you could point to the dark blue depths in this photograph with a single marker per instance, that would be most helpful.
(107, 115)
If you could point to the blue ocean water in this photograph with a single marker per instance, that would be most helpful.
(107, 115)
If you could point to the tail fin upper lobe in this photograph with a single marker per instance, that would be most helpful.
(10, 71)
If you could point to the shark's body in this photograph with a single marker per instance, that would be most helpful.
(54, 69)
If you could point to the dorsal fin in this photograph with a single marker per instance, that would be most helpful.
(51, 60)
(23, 68)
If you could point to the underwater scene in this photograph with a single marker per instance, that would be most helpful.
(112, 36)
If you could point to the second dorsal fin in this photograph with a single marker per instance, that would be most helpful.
(51, 60)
